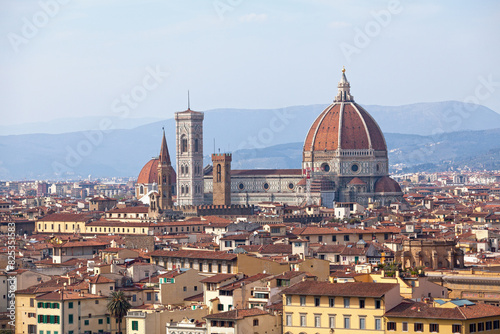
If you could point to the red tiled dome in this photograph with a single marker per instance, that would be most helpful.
(357, 181)
(387, 185)
(149, 173)
(344, 125)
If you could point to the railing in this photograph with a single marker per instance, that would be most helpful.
(136, 314)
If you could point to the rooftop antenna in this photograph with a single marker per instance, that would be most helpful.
(189, 106)
(214, 145)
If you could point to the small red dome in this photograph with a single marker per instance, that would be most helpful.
(149, 173)
(357, 181)
(387, 185)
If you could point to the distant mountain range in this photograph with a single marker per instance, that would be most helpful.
(424, 135)
(74, 124)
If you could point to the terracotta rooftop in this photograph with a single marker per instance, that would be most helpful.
(98, 279)
(237, 314)
(410, 309)
(66, 217)
(357, 289)
(194, 254)
(68, 295)
(218, 278)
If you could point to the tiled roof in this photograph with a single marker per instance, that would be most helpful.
(410, 309)
(98, 279)
(194, 254)
(276, 249)
(130, 209)
(357, 289)
(313, 230)
(66, 217)
(289, 274)
(237, 314)
(218, 278)
(67, 295)
(347, 127)
(83, 243)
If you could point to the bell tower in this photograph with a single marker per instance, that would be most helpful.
(221, 179)
(189, 134)
(164, 175)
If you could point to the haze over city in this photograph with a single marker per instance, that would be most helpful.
(77, 58)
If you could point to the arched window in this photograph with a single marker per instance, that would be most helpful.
(182, 189)
(187, 170)
(196, 145)
(184, 144)
(141, 190)
(219, 176)
(164, 179)
(182, 169)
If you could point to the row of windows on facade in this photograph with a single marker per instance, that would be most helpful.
(332, 321)
(185, 170)
(224, 323)
(184, 145)
(455, 328)
(265, 185)
(331, 302)
(392, 326)
(208, 267)
(185, 189)
(55, 319)
(347, 237)
(94, 229)
(32, 330)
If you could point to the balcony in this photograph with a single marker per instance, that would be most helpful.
(136, 314)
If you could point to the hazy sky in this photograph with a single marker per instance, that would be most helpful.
(65, 58)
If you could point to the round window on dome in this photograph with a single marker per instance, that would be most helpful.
(241, 186)
(325, 167)
(355, 168)
(290, 186)
(266, 186)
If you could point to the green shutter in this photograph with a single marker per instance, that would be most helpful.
(40, 304)
(135, 325)
(70, 318)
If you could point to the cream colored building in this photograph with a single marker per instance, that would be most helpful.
(243, 321)
(151, 319)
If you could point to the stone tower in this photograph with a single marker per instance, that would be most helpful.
(164, 171)
(189, 134)
(221, 179)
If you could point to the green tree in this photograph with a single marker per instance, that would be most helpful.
(118, 307)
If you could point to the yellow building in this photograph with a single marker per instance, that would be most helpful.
(72, 312)
(62, 223)
(319, 307)
(456, 317)
(26, 319)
